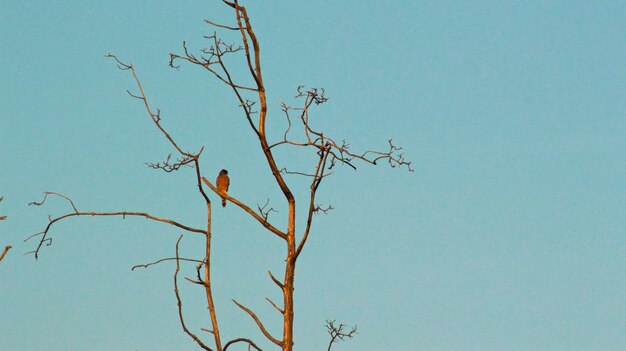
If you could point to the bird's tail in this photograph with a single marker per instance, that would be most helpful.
(223, 202)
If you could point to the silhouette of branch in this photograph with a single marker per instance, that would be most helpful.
(338, 333)
(319, 208)
(266, 213)
(250, 343)
(35, 203)
(169, 166)
(259, 324)
(146, 265)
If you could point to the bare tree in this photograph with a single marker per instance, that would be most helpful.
(327, 152)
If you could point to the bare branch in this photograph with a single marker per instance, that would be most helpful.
(338, 333)
(238, 94)
(259, 324)
(6, 249)
(266, 213)
(339, 152)
(320, 208)
(276, 281)
(146, 265)
(169, 166)
(248, 341)
(44, 233)
(216, 54)
(220, 25)
(35, 203)
(275, 306)
(155, 117)
(258, 217)
(180, 304)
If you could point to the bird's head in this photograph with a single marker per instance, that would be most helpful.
(223, 171)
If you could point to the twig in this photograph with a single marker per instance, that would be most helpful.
(337, 333)
(275, 306)
(146, 265)
(6, 249)
(259, 324)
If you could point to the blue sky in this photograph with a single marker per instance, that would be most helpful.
(509, 235)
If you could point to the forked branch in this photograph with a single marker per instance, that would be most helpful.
(338, 332)
(339, 151)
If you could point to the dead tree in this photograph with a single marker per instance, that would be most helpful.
(328, 153)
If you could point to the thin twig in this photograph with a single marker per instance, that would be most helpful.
(6, 249)
(337, 332)
(259, 324)
(146, 265)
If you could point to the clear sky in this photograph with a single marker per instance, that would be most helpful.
(509, 235)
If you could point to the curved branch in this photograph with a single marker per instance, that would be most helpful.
(39, 203)
(105, 214)
(180, 304)
(258, 322)
(234, 341)
(250, 211)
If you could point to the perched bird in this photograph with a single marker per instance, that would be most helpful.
(222, 184)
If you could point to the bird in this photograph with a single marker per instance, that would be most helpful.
(222, 183)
